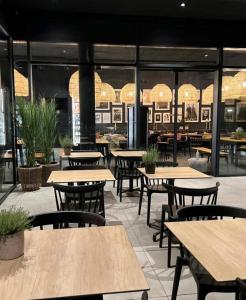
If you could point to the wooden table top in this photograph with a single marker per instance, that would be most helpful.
(233, 140)
(71, 262)
(123, 153)
(174, 173)
(208, 150)
(218, 245)
(86, 154)
(102, 141)
(80, 176)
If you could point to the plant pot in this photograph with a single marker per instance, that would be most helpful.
(46, 170)
(67, 151)
(150, 169)
(30, 178)
(12, 246)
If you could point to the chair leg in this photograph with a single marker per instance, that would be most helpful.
(148, 208)
(140, 200)
(120, 191)
(179, 264)
(169, 249)
(201, 294)
(162, 227)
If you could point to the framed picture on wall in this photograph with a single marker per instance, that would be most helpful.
(106, 118)
(229, 114)
(164, 105)
(191, 111)
(117, 115)
(98, 118)
(206, 114)
(179, 114)
(166, 117)
(150, 115)
(117, 97)
(158, 117)
(241, 112)
(102, 106)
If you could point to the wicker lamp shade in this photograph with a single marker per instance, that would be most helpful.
(208, 94)
(107, 93)
(239, 86)
(161, 93)
(226, 87)
(187, 92)
(21, 84)
(128, 93)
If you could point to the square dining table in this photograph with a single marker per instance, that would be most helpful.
(72, 262)
(82, 154)
(80, 176)
(218, 245)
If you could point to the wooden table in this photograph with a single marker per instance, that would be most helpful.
(102, 141)
(218, 245)
(84, 154)
(72, 262)
(134, 153)
(80, 176)
(208, 151)
(236, 144)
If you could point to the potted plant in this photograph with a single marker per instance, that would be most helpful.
(239, 133)
(13, 222)
(149, 159)
(29, 174)
(66, 143)
(47, 120)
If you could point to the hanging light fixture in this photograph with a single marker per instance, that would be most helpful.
(226, 88)
(208, 95)
(128, 93)
(161, 93)
(239, 86)
(187, 92)
(107, 93)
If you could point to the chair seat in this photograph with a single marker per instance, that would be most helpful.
(156, 188)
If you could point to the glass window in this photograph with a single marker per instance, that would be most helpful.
(167, 55)
(20, 50)
(234, 57)
(233, 123)
(54, 52)
(114, 54)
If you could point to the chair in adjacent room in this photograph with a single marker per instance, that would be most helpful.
(180, 197)
(153, 186)
(205, 282)
(88, 197)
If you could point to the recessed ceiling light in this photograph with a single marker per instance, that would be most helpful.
(206, 55)
(64, 51)
(182, 4)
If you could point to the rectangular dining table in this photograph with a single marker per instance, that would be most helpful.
(218, 245)
(130, 153)
(72, 262)
(80, 176)
(82, 154)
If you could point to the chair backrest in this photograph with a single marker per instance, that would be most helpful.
(144, 296)
(87, 197)
(128, 163)
(167, 164)
(87, 145)
(96, 167)
(58, 219)
(205, 212)
(87, 161)
(242, 289)
(190, 196)
(103, 148)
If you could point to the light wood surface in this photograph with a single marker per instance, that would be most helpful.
(71, 262)
(174, 173)
(209, 151)
(102, 141)
(83, 155)
(128, 153)
(218, 245)
(80, 176)
(232, 140)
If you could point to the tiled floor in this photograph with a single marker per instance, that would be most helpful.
(151, 258)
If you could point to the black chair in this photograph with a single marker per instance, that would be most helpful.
(180, 197)
(242, 289)
(194, 141)
(88, 197)
(96, 167)
(144, 296)
(87, 161)
(205, 282)
(153, 186)
(127, 170)
(104, 149)
(58, 219)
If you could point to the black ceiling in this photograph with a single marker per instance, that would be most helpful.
(195, 9)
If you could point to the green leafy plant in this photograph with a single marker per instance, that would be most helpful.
(66, 142)
(151, 156)
(29, 128)
(47, 121)
(13, 220)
